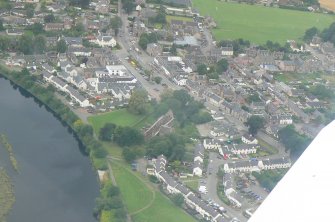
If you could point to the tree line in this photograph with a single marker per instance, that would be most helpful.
(83, 132)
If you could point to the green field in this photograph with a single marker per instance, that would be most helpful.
(258, 23)
(120, 117)
(134, 192)
(145, 203)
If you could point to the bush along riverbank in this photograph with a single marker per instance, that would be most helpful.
(9, 148)
(46, 96)
(7, 197)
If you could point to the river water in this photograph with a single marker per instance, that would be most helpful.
(56, 182)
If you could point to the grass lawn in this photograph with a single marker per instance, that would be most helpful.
(270, 149)
(163, 210)
(303, 77)
(137, 194)
(181, 18)
(113, 149)
(259, 23)
(120, 117)
(192, 183)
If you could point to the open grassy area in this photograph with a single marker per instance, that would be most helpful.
(135, 193)
(181, 18)
(163, 210)
(259, 23)
(120, 117)
(145, 203)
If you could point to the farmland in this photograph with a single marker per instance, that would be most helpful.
(259, 24)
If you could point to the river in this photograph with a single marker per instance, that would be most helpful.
(56, 182)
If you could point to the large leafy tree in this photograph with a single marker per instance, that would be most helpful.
(61, 46)
(138, 102)
(116, 24)
(255, 123)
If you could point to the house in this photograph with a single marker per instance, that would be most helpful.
(242, 166)
(249, 139)
(245, 149)
(79, 82)
(116, 70)
(197, 168)
(210, 144)
(102, 6)
(273, 130)
(154, 49)
(287, 66)
(54, 27)
(199, 152)
(229, 190)
(215, 99)
(75, 95)
(58, 83)
(282, 119)
(47, 76)
(105, 41)
(79, 51)
(278, 163)
(14, 32)
(74, 41)
(48, 68)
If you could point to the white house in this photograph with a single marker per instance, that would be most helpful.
(105, 41)
(249, 139)
(116, 70)
(197, 168)
(210, 144)
(278, 163)
(242, 148)
(243, 166)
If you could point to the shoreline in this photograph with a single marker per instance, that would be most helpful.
(69, 124)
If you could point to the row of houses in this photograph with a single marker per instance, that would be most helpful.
(257, 165)
(215, 144)
(63, 86)
(192, 201)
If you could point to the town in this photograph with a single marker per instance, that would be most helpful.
(260, 99)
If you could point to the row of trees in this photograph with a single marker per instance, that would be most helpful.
(123, 136)
(327, 35)
(293, 141)
(110, 200)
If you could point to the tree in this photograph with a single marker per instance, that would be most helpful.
(107, 131)
(36, 28)
(61, 46)
(128, 5)
(178, 199)
(310, 33)
(143, 42)
(182, 96)
(25, 44)
(212, 75)
(158, 79)
(4, 43)
(129, 155)
(255, 123)
(173, 49)
(293, 141)
(49, 18)
(127, 136)
(80, 3)
(138, 102)
(1, 25)
(222, 65)
(321, 92)
(39, 44)
(30, 12)
(202, 69)
(116, 24)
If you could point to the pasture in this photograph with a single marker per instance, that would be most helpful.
(259, 24)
